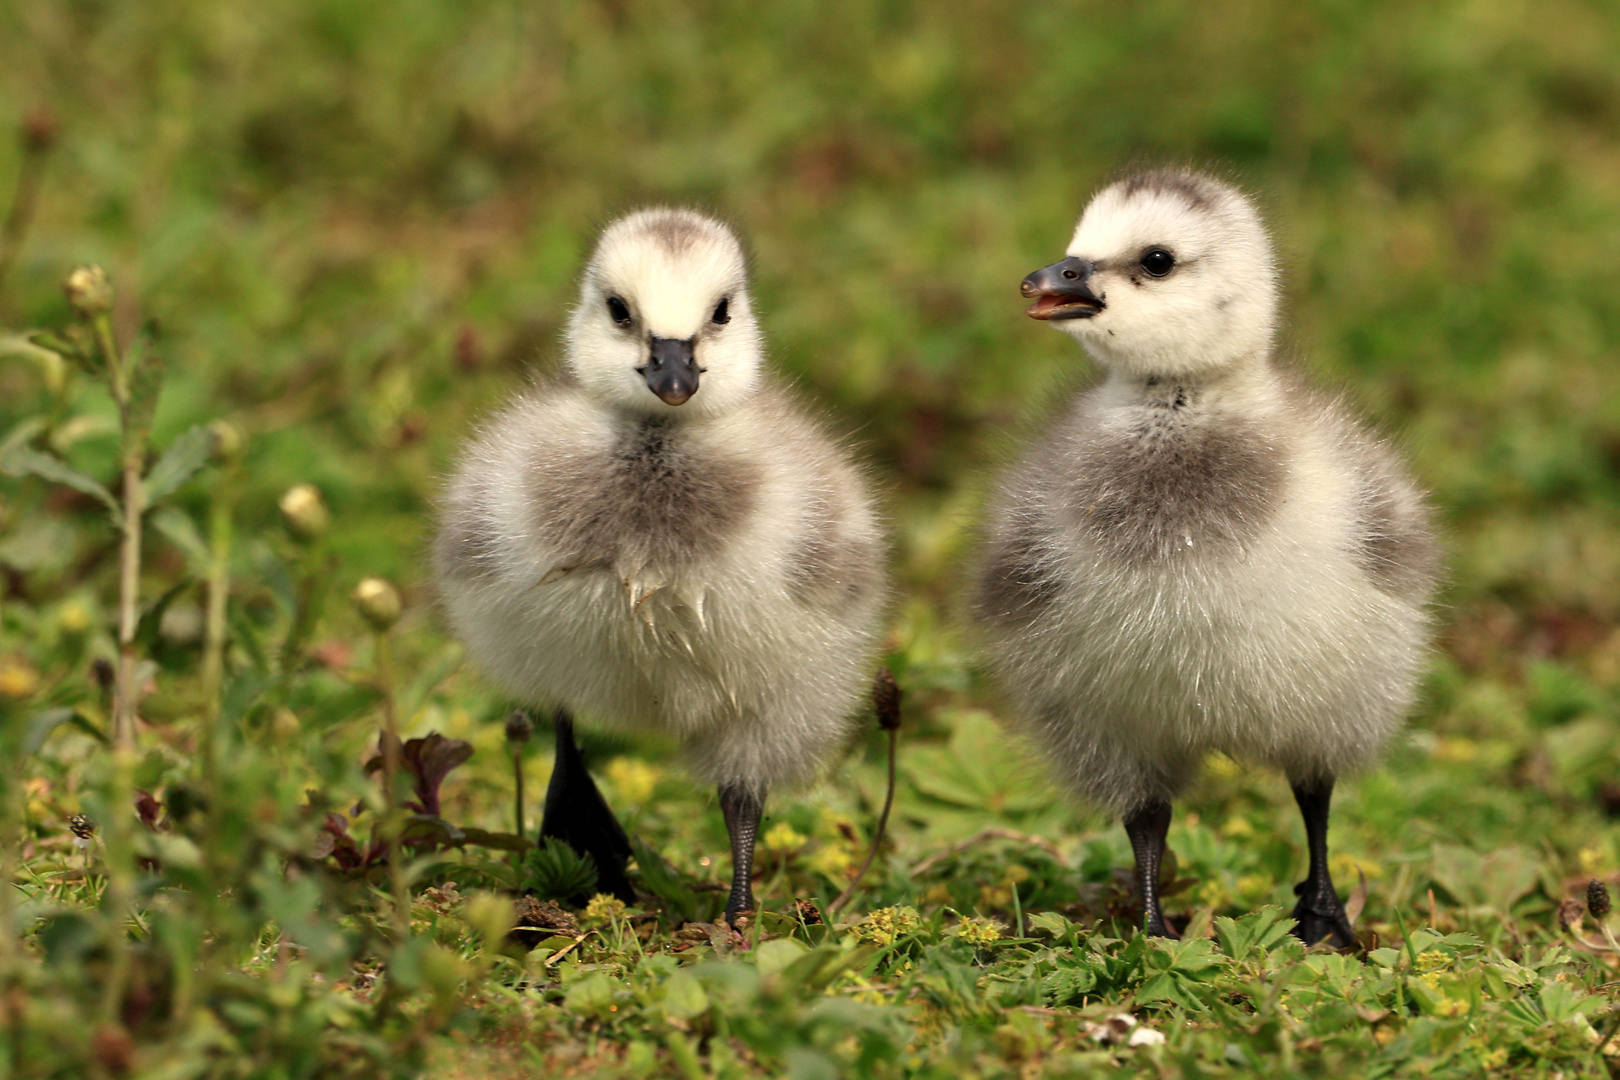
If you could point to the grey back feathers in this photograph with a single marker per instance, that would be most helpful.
(1199, 554)
(712, 569)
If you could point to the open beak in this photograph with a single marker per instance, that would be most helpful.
(1062, 291)
(671, 372)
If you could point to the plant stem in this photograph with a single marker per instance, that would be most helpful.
(220, 534)
(125, 692)
(390, 755)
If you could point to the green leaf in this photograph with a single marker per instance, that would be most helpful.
(22, 461)
(662, 880)
(146, 630)
(684, 996)
(179, 463)
(182, 532)
(44, 723)
(591, 996)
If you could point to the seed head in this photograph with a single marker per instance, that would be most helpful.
(519, 727)
(886, 699)
(378, 602)
(303, 512)
(1597, 898)
(89, 290)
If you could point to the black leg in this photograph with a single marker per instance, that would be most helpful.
(1147, 827)
(742, 809)
(1319, 913)
(577, 814)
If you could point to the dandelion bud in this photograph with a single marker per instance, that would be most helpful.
(378, 602)
(1597, 899)
(89, 290)
(225, 442)
(519, 727)
(303, 512)
(886, 699)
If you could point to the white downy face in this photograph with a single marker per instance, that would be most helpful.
(666, 289)
(1181, 277)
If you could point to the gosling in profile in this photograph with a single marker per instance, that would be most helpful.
(658, 538)
(1201, 554)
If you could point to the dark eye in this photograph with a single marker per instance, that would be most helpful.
(1158, 262)
(722, 310)
(619, 312)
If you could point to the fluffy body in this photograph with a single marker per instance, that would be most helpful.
(1200, 554)
(711, 570)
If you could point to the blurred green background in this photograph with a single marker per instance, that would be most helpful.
(356, 225)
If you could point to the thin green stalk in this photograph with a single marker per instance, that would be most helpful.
(391, 810)
(220, 536)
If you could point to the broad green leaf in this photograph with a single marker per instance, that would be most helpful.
(179, 463)
(684, 996)
(22, 461)
(591, 996)
(44, 723)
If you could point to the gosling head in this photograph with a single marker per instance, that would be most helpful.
(664, 324)
(1169, 274)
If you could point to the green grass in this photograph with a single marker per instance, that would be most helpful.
(350, 228)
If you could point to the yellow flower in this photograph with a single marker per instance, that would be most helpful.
(1346, 866)
(604, 908)
(978, 931)
(1236, 827)
(1212, 893)
(1590, 860)
(833, 860)
(783, 839)
(18, 678)
(1252, 888)
(884, 925)
(633, 779)
(74, 616)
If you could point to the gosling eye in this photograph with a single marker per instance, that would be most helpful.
(1158, 262)
(722, 311)
(618, 311)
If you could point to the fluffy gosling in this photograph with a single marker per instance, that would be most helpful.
(658, 538)
(1201, 554)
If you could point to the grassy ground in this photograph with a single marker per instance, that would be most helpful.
(349, 227)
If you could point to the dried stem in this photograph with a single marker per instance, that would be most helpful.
(877, 837)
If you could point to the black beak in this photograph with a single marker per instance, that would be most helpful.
(671, 372)
(1062, 291)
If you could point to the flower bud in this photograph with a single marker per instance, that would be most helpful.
(519, 727)
(225, 442)
(1597, 899)
(284, 725)
(378, 602)
(89, 290)
(303, 512)
(18, 678)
